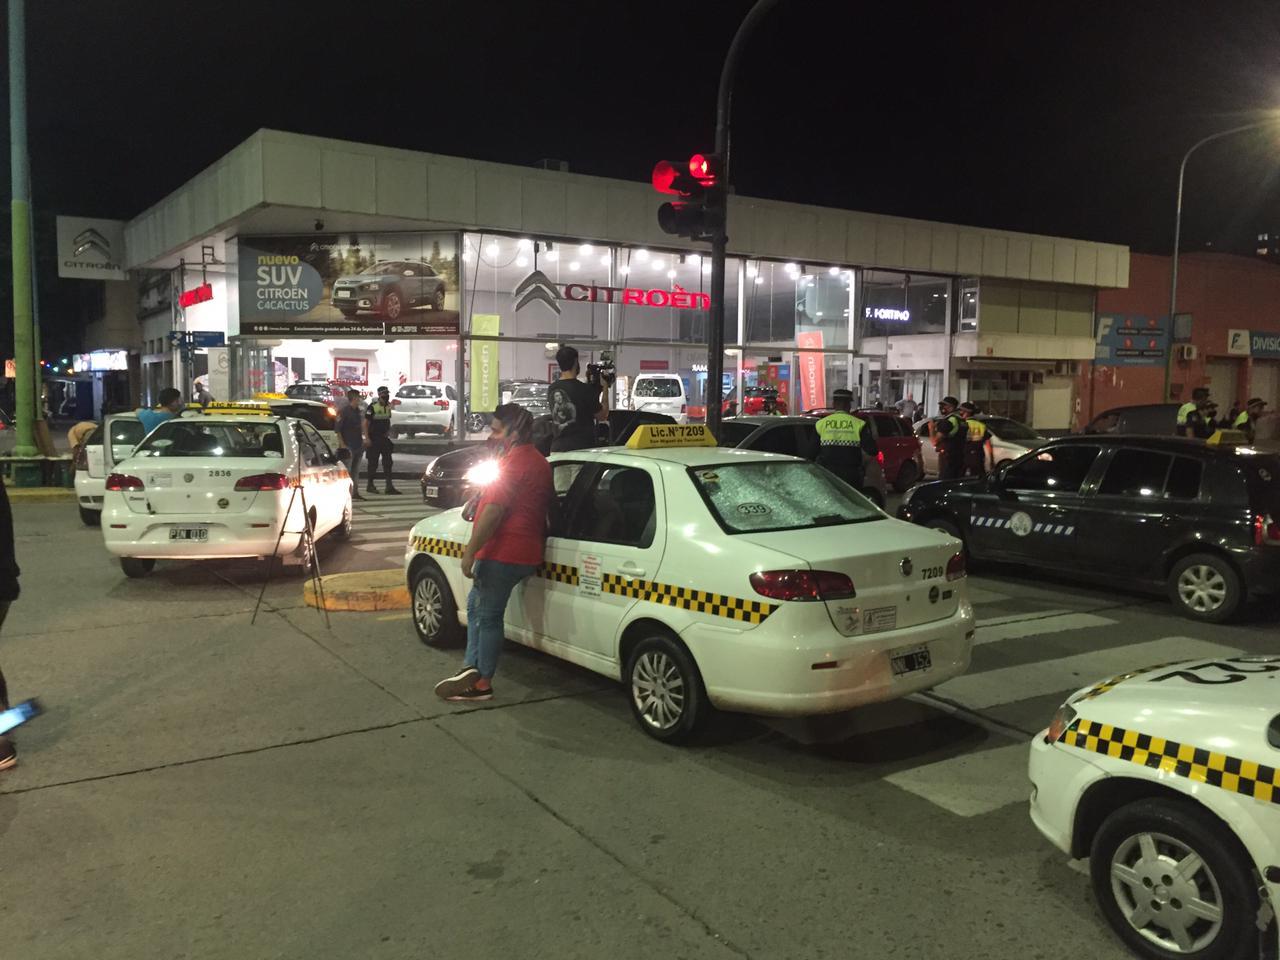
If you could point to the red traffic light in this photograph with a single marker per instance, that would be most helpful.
(665, 176)
(703, 168)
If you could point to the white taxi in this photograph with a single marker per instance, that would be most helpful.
(1166, 779)
(228, 481)
(704, 577)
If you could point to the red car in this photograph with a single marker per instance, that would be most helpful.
(899, 446)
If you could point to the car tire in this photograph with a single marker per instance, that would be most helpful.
(348, 314)
(1139, 847)
(432, 608)
(1205, 587)
(664, 689)
(476, 422)
(907, 476)
(343, 530)
(90, 518)
(136, 568)
(392, 305)
(437, 299)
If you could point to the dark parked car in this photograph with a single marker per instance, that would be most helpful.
(1198, 520)
(1148, 419)
(319, 392)
(530, 394)
(389, 288)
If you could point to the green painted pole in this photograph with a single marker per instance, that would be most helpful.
(20, 231)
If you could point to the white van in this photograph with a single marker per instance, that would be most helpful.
(660, 393)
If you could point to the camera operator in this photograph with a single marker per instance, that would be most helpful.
(576, 406)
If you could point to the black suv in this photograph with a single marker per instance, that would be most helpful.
(1200, 521)
(1147, 419)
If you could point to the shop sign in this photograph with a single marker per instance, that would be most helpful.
(654, 366)
(887, 313)
(200, 294)
(100, 361)
(1261, 344)
(383, 285)
(538, 286)
(813, 370)
(484, 363)
(90, 249)
(1131, 341)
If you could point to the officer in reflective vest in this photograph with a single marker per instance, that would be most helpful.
(377, 438)
(1189, 412)
(1249, 417)
(950, 435)
(977, 440)
(843, 439)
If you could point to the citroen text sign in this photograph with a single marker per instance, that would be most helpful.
(90, 249)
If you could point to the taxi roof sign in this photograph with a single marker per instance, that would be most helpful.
(1227, 438)
(652, 436)
(234, 406)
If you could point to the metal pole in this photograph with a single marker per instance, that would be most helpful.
(20, 231)
(1177, 235)
(720, 242)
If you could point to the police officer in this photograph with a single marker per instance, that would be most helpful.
(951, 434)
(843, 439)
(976, 440)
(377, 437)
(1190, 411)
(1248, 418)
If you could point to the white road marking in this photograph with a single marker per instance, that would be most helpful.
(1018, 617)
(978, 691)
(972, 783)
(387, 548)
(1039, 626)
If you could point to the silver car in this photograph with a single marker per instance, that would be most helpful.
(1009, 440)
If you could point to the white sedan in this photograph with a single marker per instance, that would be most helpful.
(91, 473)
(228, 482)
(703, 577)
(1166, 778)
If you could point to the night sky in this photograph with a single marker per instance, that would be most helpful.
(1066, 119)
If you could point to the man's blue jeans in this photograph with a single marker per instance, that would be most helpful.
(494, 581)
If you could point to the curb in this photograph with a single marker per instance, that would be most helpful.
(364, 592)
(43, 494)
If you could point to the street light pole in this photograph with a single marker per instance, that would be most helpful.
(24, 358)
(720, 241)
(1177, 233)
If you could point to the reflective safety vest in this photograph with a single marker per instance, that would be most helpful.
(1185, 411)
(379, 410)
(840, 429)
(1242, 420)
(958, 431)
(977, 430)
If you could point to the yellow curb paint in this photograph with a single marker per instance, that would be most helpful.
(365, 592)
(396, 616)
(46, 494)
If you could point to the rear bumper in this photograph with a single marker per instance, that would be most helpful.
(127, 534)
(1261, 569)
(90, 490)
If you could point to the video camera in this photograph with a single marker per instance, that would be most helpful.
(602, 374)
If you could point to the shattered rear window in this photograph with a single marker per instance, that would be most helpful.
(786, 495)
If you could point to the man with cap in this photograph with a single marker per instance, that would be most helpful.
(977, 440)
(1189, 412)
(951, 435)
(843, 439)
(377, 437)
(1247, 421)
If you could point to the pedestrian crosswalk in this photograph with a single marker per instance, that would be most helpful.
(381, 526)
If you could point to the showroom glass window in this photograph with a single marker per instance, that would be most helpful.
(894, 304)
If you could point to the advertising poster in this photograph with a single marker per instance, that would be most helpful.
(377, 285)
(219, 383)
(1131, 341)
(484, 363)
(813, 371)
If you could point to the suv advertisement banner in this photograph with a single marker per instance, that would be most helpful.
(377, 285)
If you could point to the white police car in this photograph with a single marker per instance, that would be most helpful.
(1166, 778)
(704, 577)
(223, 483)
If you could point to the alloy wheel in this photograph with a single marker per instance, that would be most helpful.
(1202, 588)
(428, 604)
(658, 688)
(1167, 892)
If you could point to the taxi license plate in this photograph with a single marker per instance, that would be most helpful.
(191, 534)
(432, 491)
(910, 660)
(342, 294)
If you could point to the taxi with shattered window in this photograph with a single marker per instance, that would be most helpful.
(707, 578)
(228, 480)
(1166, 779)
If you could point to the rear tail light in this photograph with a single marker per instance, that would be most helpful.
(880, 457)
(956, 567)
(802, 585)
(442, 404)
(120, 482)
(395, 403)
(1266, 532)
(684, 408)
(263, 481)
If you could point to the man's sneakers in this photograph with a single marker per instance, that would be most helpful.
(8, 755)
(462, 687)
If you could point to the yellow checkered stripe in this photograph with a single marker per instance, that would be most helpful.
(1106, 685)
(699, 601)
(559, 573)
(1244, 777)
(441, 548)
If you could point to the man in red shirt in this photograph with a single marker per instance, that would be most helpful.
(508, 538)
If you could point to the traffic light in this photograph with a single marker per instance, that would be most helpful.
(699, 213)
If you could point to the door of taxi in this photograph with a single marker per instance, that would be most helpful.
(613, 536)
(1031, 511)
(323, 476)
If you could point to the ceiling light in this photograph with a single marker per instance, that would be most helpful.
(524, 243)
(658, 264)
(574, 265)
(553, 255)
(792, 268)
(522, 261)
(604, 261)
(623, 269)
(586, 250)
(706, 268)
(751, 270)
(671, 274)
(759, 279)
(819, 313)
(492, 249)
(695, 259)
(834, 271)
(641, 254)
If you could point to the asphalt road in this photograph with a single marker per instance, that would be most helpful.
(204, 786)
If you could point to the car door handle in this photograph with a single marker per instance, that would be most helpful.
(631, 572)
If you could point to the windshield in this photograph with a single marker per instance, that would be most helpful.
(202, 438)
(418, 391)
(788, 495)
(379, 269)
(529, 392)
(1007, 429)
(665, 387)
(734, 434)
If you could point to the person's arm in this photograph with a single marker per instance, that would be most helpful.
(485, 526)
(364, 426)
(868, 442)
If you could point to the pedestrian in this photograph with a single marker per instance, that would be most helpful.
(201, 394)
(8, 594)
(977, 441)
(168, 406)
(951, 434)
(350, 429)
(575, 406)
(908, 407)
(1247, 420)
(843, 440)
(1185, 422)
(508, 540)
(377, 438)
(77, 435)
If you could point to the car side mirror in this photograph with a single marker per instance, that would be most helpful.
(469, 511)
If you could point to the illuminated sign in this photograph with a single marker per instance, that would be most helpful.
(887, 313)
(200, 294)
(537, 286)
